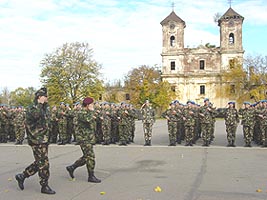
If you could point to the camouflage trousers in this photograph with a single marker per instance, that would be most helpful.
(88, 157)
(231, 132)
(172, 129)
(189, 134)
(62, 132)
(248, 133)
(20, 133)
(206, 129)
(106, 128)
(123, 133)
(40, 164)
(147, 131)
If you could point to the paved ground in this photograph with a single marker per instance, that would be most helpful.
(133, 172)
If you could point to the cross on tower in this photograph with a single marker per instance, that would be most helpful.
(230, 2)
(173, 6)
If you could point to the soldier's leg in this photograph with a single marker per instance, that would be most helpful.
(89, 156)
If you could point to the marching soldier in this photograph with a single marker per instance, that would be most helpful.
(37, 129)
(19, 123)
(189, 123)
(86, 139)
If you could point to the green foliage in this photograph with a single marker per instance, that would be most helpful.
(70, 73)
(145, 83)
(22, 96)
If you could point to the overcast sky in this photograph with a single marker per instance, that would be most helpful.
(123, 34)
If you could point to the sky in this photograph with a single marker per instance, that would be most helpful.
(124, 34)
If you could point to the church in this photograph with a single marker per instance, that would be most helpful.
(195, 73)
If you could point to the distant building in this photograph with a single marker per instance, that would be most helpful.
(195, 73)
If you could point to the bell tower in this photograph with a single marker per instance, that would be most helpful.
(172, 33)
(231, 45)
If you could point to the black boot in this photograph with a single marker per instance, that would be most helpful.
(20, 178)
(146, 143)
(47, 190)
(71, 169)
(233, 143)
(92, 178)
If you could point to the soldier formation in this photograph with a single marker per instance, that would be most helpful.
(191, 122)
(115, 123)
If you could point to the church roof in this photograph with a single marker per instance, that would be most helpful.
(230, 13)
(172, 17)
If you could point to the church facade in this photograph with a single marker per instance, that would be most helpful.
(195, 73)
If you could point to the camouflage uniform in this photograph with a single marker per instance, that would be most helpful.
(4, 124)
(189, 124)
(86, 138)
(106, 124)
(62, 124)
(206, 113)
(114, 124)
(180, 126)
(132, 117)
(231, 121)
(148, 119)
(98, 133)
(248, 118)
(19, 123)
(172, 117)
(123, 121)
(54, 125)
(37, 129)
(11, 125)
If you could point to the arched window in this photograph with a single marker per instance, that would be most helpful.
(172, 41)
(231, 38)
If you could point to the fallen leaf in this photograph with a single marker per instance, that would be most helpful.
(259, 190)
(6, 190)
(10, 179)
(102, 193)
(72, 179)
(157, 189)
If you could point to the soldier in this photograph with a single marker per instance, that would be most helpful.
(248, 118)
(98, 133)
(231, 121)
(11, 125)
(19, 123)
(76, 109)
(62, 124)
(86, 139)
(114, 124)
(132, 117)
(263, 116)
(4, 114)
(172, 117)
(37, 129)
(105, 116)
(206, 113)
(148, 119)
(189, 123)
(54, 125)
(123, 121)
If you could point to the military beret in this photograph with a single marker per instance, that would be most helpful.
(41, 92)
(88, 100)
(246, 102)
(264, 101)
(61, 103)
(206, 99)
(231, 102)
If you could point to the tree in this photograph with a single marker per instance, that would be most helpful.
(145, 83)
(22, 97)
(248, 82)
(70, 73)
(5, 96)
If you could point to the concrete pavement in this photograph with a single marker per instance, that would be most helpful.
(133, 172)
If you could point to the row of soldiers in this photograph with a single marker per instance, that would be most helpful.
(12, 124)
(191, 121)
(114, 123)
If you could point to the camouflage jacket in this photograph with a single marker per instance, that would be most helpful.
(86, 125)
(248, 117)
(148, 114)
(189, 116)
(171, 115)
(37, 124)
(231, 116)
(206, 114)
(19, 120)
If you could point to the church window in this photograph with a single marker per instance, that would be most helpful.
(231, 38)
(173, 88)
(172, 65)
(202, 64)
(202, 89)
(172, 41)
